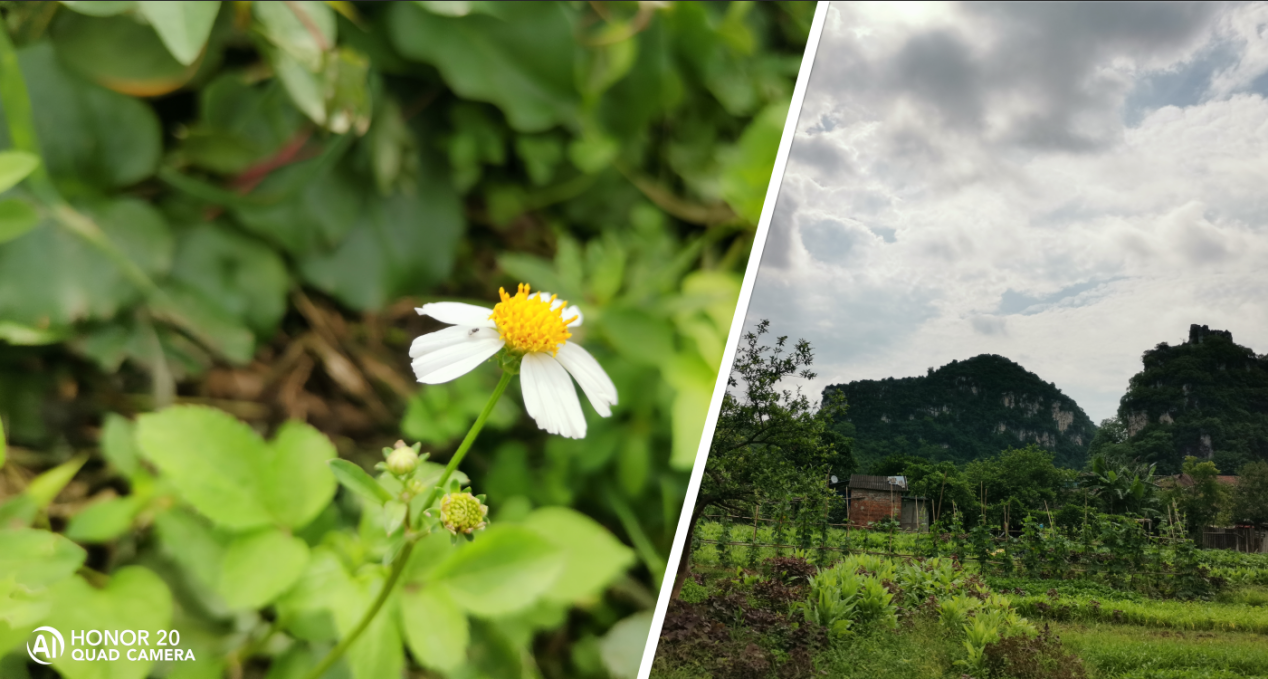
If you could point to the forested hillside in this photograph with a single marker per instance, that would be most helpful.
(963, 411)
(1207, 397)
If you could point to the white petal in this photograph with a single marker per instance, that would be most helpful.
(550, 398)
(425, 344)
(457, 313)
(589, 374)
(455, 360)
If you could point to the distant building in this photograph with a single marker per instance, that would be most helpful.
(873, 498)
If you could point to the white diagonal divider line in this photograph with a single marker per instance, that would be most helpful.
(737, 330)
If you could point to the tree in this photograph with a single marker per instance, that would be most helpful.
(1203, 501)
(1122, 486)
(769, 442)
(1250, 500)
(1110, 443)
(1016, 480)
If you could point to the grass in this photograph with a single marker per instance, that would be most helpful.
(1177, 615)
(925, 650)
(1132, 652)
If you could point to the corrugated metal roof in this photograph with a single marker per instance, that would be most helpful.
(887, 483)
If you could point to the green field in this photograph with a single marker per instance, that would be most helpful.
(727, 622)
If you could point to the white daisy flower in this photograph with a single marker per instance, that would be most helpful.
(534, 326)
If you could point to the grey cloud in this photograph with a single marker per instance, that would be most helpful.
(1202, 246)
(937, 68)
(817, 156)
(1053, 51)
(989, 325)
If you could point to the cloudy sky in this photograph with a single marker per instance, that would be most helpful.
(1066, 185)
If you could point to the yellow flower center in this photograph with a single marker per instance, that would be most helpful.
(528, 324)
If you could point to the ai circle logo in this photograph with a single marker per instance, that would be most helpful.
(49, 646)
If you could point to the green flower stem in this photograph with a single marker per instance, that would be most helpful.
(470, 439)
(398, 566)
(337, 652)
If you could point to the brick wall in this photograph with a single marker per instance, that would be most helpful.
(867, 506)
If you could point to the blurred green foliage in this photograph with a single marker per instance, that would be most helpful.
(224, 213)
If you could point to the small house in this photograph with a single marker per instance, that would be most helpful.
(873, 498)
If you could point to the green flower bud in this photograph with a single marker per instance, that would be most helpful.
(415, 487)
(403, 460)
(463, 513)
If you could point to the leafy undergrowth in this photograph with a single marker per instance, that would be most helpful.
(1132, 652)
(865, 616)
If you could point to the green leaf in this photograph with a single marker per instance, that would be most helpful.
(24, 335)
(15, 166)
(322, 603)
(593, 557)
(316, 215)
(100, 8)
(259, 567)
(435, 628)
(16, 218)
(104, 521)
(118, 443)
(88, 46)
(241, 123)
(593, 153)
(522, 60)
(283, 27)
(304, 86)
(623, 646)
(36, 558)
(46, 486)
(183, 26)
(52, 277)
(296, 482)
(4, 446)
(229, 474)
(747, 167)
(87, 133)
(396, 247)
(504, 570)
(18, 512)
(213, 326)
(356, 480)
(20, 612)
(638, 335)
(134, 599)
(211, 458)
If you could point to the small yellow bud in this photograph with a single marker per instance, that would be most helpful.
(463, 513)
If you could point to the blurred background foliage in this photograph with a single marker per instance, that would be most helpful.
(238, 207)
